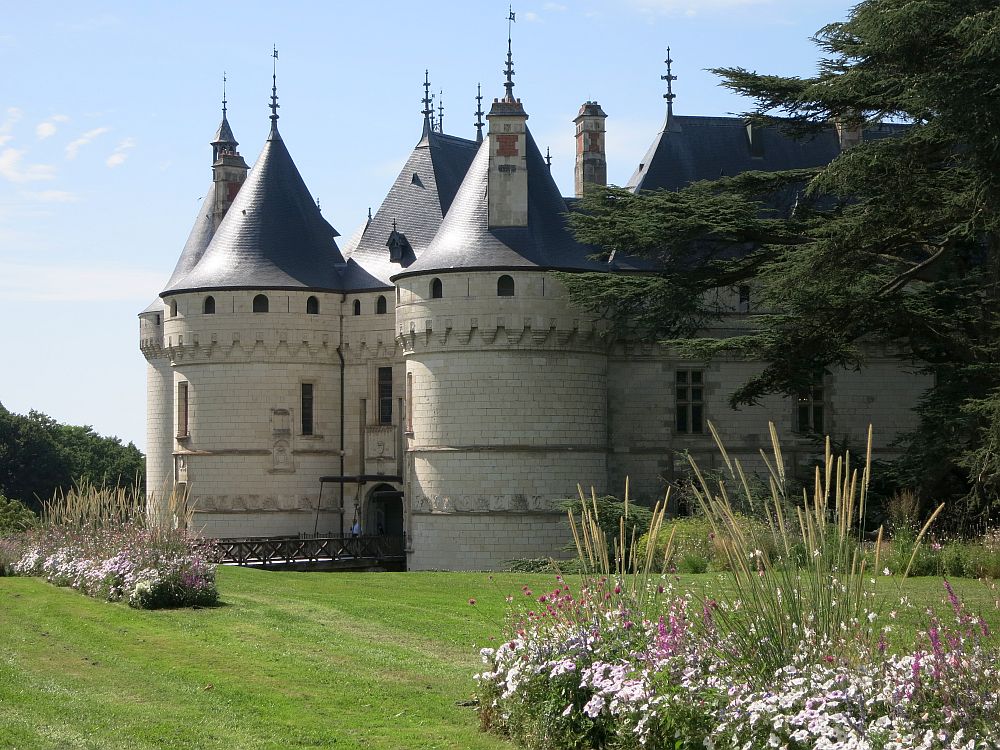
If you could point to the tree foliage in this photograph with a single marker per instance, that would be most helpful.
(39, 456)
(895, 242)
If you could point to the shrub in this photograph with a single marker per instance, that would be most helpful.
(15, 516)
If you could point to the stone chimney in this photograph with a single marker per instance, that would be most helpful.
(507, 187)
(848, 134)
(229, 172)
(591, 158)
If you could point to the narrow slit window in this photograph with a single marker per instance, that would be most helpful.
(357, 307)
(182, 410)
(385, 395)
(173, 308)
(260, 304)
(744, 304)
(689, 394)
(409, 402)
(307, 408)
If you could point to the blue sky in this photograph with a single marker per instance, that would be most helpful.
(106, 110)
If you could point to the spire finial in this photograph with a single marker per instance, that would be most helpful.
(224, 95)
(427, 111)
(548, 158)
(441, 111)
(274, 89)
(669, 78)
(509, 71)
(479, 113)
(433, 117)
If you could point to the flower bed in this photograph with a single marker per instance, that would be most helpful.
(586, 671)
(148, 568)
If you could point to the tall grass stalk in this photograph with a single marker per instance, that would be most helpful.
(776, 606)
(630, 570)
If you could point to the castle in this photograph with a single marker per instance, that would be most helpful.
(428, 377)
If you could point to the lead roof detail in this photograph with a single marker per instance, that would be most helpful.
(273, 236)
(465, 240)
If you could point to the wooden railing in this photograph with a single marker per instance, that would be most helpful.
(282, 550)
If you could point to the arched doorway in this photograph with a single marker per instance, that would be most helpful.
(385, 511)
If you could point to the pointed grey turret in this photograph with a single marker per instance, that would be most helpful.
(273, 236)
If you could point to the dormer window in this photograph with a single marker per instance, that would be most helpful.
(260, 304)
(312, 306)
(437, 289)
(209, 306)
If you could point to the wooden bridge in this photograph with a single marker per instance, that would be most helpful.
(307, 552)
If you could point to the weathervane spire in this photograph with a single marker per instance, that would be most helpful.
(274, 89)
(224, 95)
(669, 78)
(479, 113)
(548, 158)
(441, 111)
(427, 111)
(509, 71)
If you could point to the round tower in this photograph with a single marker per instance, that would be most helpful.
(506, 386)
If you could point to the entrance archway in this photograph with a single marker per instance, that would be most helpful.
(385, 511)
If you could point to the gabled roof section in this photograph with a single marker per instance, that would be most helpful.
(466, 242)
(418, 200)
(689, 149)
(273, 236)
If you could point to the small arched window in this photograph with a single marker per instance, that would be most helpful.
(357, 307)
(505, 286)
(437, 289)
(260, 303)
(380, 305)
(209, 308)
(173, 308)
(312, 306)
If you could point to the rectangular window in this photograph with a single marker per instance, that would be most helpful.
(307, 408)
(690, 402)
(809, 409)
(385, 395)
(182, 409)
(744, 304)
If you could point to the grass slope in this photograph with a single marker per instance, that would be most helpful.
(292, 660)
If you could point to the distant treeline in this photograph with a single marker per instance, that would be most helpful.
(39, 456)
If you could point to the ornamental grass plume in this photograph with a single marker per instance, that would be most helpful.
(773, 607)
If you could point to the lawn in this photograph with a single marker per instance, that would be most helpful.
(291, 660)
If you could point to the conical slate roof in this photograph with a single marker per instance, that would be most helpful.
(197, 241)
(273, 236)
(418, 200)
(465, 240)
(224, 134)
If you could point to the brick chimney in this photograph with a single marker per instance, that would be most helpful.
(507, 187)
(591, 158)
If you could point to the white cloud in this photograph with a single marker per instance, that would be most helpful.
(12, 170)
(48, 128)
(11, 117)
(61, 283)
(559, 7)
(120, 154)
(74, 146)
(531, 16)
(52, 196)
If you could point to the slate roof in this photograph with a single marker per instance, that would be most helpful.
(224, 134)
(688, 149)
(418, 200)
(466, 242)
(197, 241)
(273, 236)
